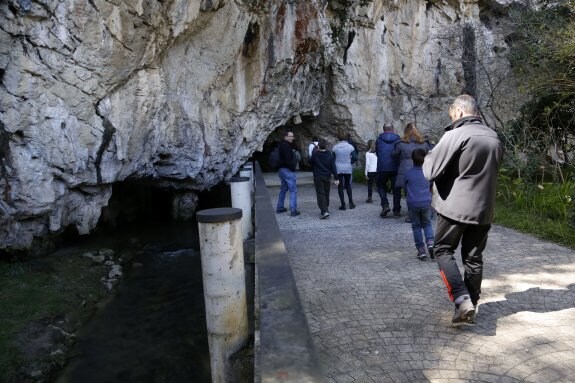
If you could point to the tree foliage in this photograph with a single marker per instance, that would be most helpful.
(543, 59)
(543, 48)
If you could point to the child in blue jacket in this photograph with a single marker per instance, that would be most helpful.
(418, 197)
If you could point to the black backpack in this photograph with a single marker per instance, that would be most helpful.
(354, 157)
(315, 149)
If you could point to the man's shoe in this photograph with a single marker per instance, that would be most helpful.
(422, 256)
(430, 251)
(281, 210)
(342, 207)
(324, 215)
(464, 313)
(476, 307)
(295, 213)
(408, 220)
(368, 200)
(384, 211)
(396, 214)
(351, 205)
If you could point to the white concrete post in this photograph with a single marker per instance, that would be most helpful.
(248, 172)
(222, 250)
(242, 199)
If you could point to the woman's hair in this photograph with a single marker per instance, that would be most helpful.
(322, 144)
(371, 146)
(341, 136)
(411, 133)
(418, 156)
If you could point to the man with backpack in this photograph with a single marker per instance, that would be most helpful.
(313, 147)
(287, 175)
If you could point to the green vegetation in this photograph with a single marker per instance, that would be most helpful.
(358, 175)
(57, 290)
(543, 56)
(536, 191)
(543, 209)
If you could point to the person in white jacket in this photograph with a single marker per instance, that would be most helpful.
(312, 146)
(370, 168)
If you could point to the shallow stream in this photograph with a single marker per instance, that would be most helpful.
(153, 328)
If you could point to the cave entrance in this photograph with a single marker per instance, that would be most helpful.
(304, 129)
(136, 203)
(140, 206)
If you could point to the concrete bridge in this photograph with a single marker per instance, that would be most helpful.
(378, 314)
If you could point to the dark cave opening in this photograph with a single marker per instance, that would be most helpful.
(141, 211)
(303, 131)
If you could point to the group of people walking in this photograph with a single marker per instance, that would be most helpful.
(457, 177)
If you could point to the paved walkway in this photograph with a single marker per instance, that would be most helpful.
(378, 314)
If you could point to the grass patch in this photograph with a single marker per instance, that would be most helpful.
(542, 210)
(43, 291)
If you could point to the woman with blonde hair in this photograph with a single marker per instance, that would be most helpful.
(411, 140)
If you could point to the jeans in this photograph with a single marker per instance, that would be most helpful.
(473, 239)
(288, 182)
(382, 179)
(322, 187)
(344, 182)
(421, 219)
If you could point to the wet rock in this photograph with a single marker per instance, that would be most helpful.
(98, 259)
(43, 347)
(184, 205)
(116, 272)
(107, 253)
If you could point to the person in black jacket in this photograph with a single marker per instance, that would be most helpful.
(323, 166)
(287, 175)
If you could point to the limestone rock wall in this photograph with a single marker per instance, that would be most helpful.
(402, 61)
(183, 92)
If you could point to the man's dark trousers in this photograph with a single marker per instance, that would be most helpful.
(473, 239)
(382, 179)
(322, 188)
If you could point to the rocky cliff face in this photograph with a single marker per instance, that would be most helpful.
(183, 92)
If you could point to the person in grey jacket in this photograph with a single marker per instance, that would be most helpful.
(342, 152)
(463, 166)
(410, 141)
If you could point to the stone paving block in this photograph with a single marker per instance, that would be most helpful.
(363, 290)
(399, 377)
(343, 378)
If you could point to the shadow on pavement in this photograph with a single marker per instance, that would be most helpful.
(533, 300)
